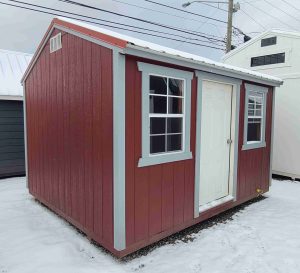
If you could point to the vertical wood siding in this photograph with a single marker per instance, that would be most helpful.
(70, 133)
(160, 197)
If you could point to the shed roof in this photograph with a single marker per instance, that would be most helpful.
(125, 42)
(12, 66)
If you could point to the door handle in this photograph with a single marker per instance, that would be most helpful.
(229, 141)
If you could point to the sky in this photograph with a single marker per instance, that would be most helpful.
(22, 30)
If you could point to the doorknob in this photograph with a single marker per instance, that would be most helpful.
(229, 141)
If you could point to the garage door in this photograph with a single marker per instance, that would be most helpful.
(12, 156)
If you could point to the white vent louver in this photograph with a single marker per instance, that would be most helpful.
(55, 43)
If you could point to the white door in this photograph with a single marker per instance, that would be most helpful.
(215, 141)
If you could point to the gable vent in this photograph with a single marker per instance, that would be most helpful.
(55, 43)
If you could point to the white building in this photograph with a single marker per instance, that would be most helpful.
(277, 53)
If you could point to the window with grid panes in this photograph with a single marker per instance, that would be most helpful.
(255, 116)
(166, 114)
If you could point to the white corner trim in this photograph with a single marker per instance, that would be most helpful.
(119, 150)
(272, 136)
(25, 134)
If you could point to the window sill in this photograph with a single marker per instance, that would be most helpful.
(160, 159)
(254, 146)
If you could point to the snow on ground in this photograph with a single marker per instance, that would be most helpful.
(262, 238)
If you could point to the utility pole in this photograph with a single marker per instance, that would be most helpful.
(229, 26)
(231, 9)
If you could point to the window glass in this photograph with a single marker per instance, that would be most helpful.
(157, 125)
(158, 85)
(166, 96)
(158, 104)
(175, 105)
(174, 125)
(175, 87)
(255, 116)
(157, 144)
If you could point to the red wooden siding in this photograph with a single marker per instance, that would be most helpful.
(70, 134)
(160, 197)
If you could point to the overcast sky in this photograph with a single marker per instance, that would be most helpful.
(22, 30)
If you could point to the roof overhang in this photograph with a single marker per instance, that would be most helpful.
(206, 67)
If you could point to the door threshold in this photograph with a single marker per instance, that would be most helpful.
(215, 203)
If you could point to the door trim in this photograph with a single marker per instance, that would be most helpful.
(236, 87)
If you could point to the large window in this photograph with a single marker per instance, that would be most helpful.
(255, 116)
(268, 59)
(166, 98)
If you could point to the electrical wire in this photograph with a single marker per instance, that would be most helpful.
(291, 5)
(270, 15)
(254, 20)
(280, 9)
(154, 35)
(107, 21)
(131, 17)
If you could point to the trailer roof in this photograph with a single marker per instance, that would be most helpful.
(12, 66)
(126, 42)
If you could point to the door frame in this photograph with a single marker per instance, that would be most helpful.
(236, 87)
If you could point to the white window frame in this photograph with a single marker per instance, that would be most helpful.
(148, 70)
(247, 145)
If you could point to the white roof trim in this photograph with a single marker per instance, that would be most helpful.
(192, 58)
(12, 67)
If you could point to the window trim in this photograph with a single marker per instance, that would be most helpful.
(146, 158)
(262, 142)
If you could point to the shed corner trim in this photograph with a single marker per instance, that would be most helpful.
(119, 150)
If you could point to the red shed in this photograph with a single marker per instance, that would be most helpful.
(131, 141)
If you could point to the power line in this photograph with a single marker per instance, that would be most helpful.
(154, 35)
(293, 6)
(270, 15)
(185, 11)
(189, 12)
(107, 21)
(170, 14)
(131, 17)
(282, 10)
(254, 20)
